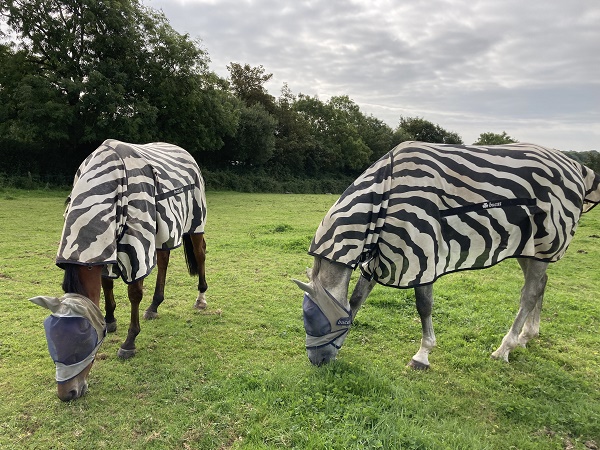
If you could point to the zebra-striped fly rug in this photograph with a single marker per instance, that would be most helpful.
(128, 200)
(424, 210)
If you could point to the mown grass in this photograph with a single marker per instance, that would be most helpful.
(237, 376)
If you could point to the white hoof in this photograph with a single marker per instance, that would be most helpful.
(500, 355)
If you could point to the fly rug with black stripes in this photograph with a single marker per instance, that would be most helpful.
(424, 210)
(129, 206)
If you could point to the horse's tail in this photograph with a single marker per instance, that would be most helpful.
(190, 258)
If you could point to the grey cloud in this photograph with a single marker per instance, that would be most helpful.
(471, 66)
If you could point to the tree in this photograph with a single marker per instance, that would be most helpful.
(292, 136)
(590, 158)
(374, 133)
(337, 145)
(377, 135)
(419, 129)
(494, 139)
(254, 141)
(110, 69)
(248, 84)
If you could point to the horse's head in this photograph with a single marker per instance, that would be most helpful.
(327, 319)
(74, 331)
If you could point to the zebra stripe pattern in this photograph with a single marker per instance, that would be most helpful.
(424, 210)
(128, 200)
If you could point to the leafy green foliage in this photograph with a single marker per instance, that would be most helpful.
(590, 159)
(494, 139)
(419, 129)
(76, 72)
(107, 69)
(248, 84)
(337, 143)
(254, 141)
(237, 376)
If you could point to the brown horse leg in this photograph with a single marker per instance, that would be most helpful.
(109, 304)
(135, 293)
(162, 257)
(200, 254)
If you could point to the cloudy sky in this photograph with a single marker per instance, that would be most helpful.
(527, 67)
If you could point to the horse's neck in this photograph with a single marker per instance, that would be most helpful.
(333, 277)
(91, 278)
(83, 280)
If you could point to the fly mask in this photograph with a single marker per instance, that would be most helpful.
(326, 320)
(75, 330)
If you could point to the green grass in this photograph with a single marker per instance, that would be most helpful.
(237, 375)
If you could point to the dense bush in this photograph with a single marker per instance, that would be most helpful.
(214, 180)
(229, 180)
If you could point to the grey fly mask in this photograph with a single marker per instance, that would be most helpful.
(325, 322)
(75, 330)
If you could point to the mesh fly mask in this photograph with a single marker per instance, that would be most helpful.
(75, 330)
(325, 322)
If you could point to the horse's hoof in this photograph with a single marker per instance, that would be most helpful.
(111, 327)
(500, 357)
(200, 305)
(149, 315)
(417, 365)
(125, 354)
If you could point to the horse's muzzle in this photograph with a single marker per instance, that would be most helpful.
(322, 355)
(75, 387)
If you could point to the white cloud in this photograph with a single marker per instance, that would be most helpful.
(527, 68)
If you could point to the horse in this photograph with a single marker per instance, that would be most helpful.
(424, 210)
(129, 206)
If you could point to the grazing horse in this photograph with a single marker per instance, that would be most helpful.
(424, 210)
(129, 206)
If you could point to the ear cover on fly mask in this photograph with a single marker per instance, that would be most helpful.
(74, 332)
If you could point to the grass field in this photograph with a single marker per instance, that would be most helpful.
(237, 375)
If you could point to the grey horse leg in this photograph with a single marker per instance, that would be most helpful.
(527, 322)
(424, 301)
(531, 329)
(361, 291)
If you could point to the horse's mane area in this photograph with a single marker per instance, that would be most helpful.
(315, 269)
(314, 279)
(71, 282)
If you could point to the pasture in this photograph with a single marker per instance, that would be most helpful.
(236, 376)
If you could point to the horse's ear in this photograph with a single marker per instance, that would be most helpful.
(305, 287)
(50, 303)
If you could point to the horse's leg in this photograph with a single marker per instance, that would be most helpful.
(361, 291)
(199, 245)
(531, 329)
(135, 293)
(162, 257)
(109, 304)
(424, 301)
(531, 300)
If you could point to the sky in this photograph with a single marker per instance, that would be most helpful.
(527, 67)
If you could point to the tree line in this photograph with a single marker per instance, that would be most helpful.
(76, 72)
